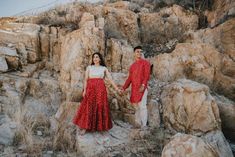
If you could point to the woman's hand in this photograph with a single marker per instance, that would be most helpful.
(84, 93)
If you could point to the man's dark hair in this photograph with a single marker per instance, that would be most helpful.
(137, 47)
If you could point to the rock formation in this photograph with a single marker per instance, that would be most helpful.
(191, 90)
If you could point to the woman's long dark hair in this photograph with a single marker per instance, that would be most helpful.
(101, 59)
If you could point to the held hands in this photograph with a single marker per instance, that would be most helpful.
(120, 90)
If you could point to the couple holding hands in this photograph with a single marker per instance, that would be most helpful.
(94, 113)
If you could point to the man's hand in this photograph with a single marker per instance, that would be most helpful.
(119, 91)
(141, 88)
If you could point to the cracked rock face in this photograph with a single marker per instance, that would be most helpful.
(188, 107)
(199, 62)
(221, 11)
(187, 145)
(42, 64)
(192, 146)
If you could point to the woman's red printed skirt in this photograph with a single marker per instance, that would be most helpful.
(94, 114)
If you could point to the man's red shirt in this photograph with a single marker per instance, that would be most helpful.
(139, 74)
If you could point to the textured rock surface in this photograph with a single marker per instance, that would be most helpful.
(188, 146)
(167, 24)
(188, 107)
(199, 62)
(227, 114)
(221, 11)
(221, 37)
(76, 50)
(42, 64)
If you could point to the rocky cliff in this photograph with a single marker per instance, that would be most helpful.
(191, 100)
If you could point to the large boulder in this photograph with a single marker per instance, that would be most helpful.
(67, 135)
(188, 146)
(169, 23)
(11, 56)
(121, 24)
(29, 98)
(199, 62)
(220, 12)
(3, 64)
(220, 37)
(76, 50)
(93, 144)
(119, 56)
(218, 143)
(188, 107)
(212, 144)
(227, 114)
(25, 33)
(8, 129)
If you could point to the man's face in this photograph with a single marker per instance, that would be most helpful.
(138, 53)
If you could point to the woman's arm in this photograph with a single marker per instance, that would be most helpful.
(85, 82)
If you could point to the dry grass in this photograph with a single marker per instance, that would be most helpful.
(65, 139)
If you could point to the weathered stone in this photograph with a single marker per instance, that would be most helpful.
(167, 24)
(3, 64)
(120, 55)
(221, 37)
(11, 57)
(7, 134)
(153, 113)
(188, 107)
(87, 20)
(221, 11)
(77, 48)
(56, 38)
(23, 53)
(8, 51)
(121, 24)
(227, 114)
(13, 62)
(92, 144)
(217, 142)
(199, 62)
(22, 33)
(187, 145)
(45, 41)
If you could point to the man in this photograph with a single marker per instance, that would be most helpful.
(139, 74)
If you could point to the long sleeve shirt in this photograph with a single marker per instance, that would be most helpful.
(139, 74)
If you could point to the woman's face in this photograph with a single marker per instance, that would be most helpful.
(96, 59)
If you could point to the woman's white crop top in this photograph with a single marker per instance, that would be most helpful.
(96, 71)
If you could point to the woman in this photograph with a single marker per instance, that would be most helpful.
(94, 113)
